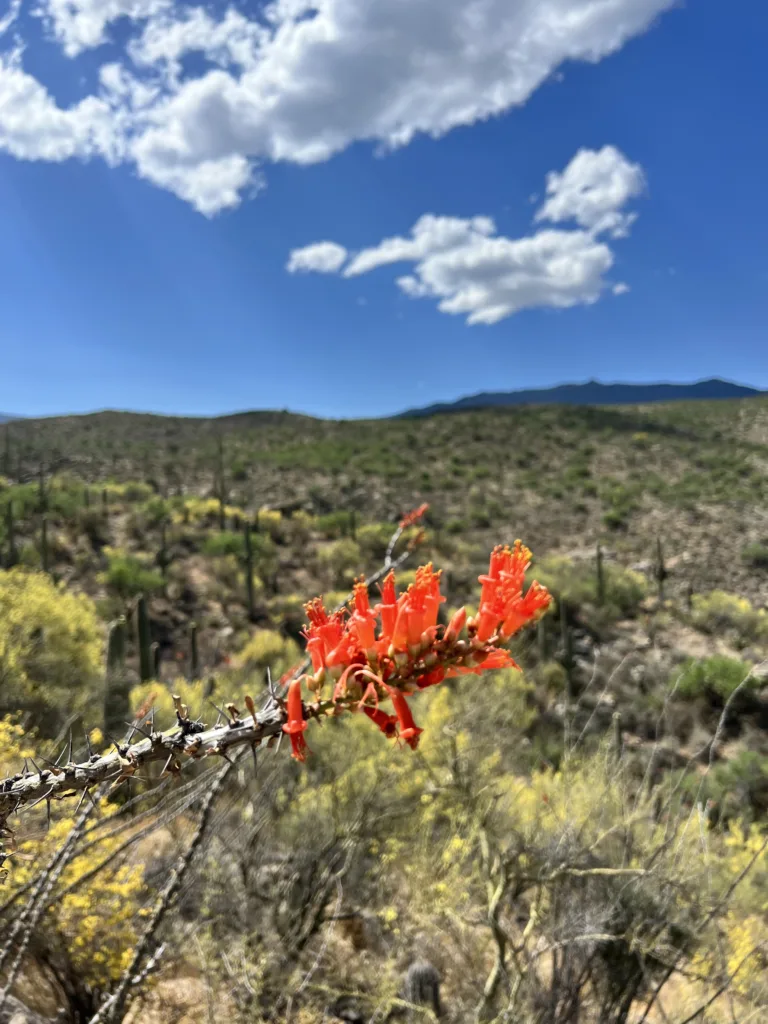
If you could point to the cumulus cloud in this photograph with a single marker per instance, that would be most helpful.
(33, 127)
(81, 24)
(300, 80)
(621, 288)
(322, 257)
(592, 189)
(472, 271)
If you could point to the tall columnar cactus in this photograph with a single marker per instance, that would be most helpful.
(163, 558)
(44, 554)
(249, 572)
(220, 486)
(422, 988)
(353, 524)
(42, 496)
(541, 640)
(618, 739)
(7, 453)
(117, 707)
(144, 640)
(157, 655)
(116, 648)
(660, 569)
(600, 570)
(194, 656)
(567, 641)
(12, 555)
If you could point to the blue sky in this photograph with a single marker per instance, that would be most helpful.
(150, 210)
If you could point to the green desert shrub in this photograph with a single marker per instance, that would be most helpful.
(340, 561)
(373, 539)
(335, 524)
(576, 582)
(714, 677)
(128, 575)
(756, 555)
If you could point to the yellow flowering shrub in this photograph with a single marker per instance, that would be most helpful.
(50, 647)
(98, 921)
(719, 611)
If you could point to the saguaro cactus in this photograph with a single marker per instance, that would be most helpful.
(12, 555)
(249, 572)
(117, 708)
(541, 640)
(618, 739)
(422, 988)
(660, 569)
(42, 495)
(7, 454)
(157, 655)
(144, 639)
(194, 660)
(600, 588)
(220, 486)
(44, 559)
(163, 558)
(567, 642)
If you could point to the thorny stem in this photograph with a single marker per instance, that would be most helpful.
(112, 1009)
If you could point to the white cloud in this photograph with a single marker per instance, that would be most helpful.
(33, 127)
(322, 257)
(592, 190)
(10, 18)
(473, 272)
(233, 41)
(303, 79)
(81, 24)
(621, 288)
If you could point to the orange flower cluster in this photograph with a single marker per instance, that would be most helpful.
(413, 517)
(396, 648)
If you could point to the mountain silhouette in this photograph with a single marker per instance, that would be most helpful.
(593, 392)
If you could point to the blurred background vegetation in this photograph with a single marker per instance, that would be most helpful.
(565, 841)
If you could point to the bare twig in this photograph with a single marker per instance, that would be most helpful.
(112, 1009)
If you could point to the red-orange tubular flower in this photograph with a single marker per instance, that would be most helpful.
(363, 621)
(387, 723)
(408, 731)
(398, 648)
(296, 725)
(414, 516)
(503, 608)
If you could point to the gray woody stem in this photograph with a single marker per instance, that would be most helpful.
(112, 1009)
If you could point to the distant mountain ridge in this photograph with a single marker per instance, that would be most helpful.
(593, 392)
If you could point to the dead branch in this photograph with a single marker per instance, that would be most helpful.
(113, 1008)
